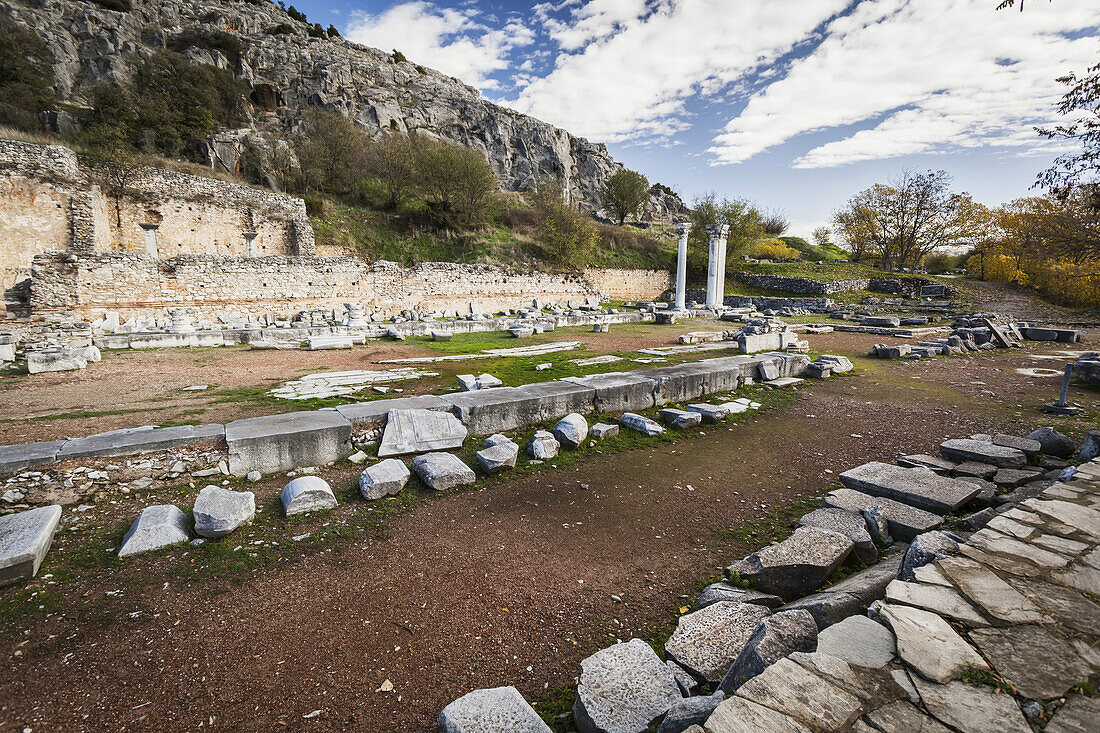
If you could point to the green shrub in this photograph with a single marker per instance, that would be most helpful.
(333, 32)
(455, 182)
(122, 6)
(315, 204)
(282, 29)
(296, 15)
(25, 89)
(398, 57)
(938, 264)
(211, 40)
(421, 70)
(566, 235)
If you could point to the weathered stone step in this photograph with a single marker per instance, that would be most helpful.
(797, 565)
(917, 487)
(905, 521)
(961, 450)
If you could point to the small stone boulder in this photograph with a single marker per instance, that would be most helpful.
(716, 592)
(641, 424)
(603, 430)
(219, 511)
(1091, 448)
(442, 471)
(158, 526)
(680, 419)
(385, 478)
(571, 430)
(543, 446)
(775, 637)
(1053, 443)
(623, 689)
(307, 494)
(494, 710)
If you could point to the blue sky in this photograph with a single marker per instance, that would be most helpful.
(794, 104)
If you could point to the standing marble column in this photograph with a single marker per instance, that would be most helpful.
(683, 228)
(720, 286)
(712, 266)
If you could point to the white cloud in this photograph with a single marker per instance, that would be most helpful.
(635, 75)
(451, 40)
(928, 76)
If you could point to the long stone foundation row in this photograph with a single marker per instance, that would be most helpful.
(291, 440)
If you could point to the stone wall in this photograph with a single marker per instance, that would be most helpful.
(212, 285)
(52, 199)
(804, 285)
(629, 284)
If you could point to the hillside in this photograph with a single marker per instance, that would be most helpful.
(287, 66)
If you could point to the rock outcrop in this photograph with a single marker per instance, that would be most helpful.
(287, 70)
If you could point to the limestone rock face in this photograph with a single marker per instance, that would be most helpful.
(292, 71)
(219, 511)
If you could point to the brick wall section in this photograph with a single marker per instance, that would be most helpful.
(52, 199)
(214, 285)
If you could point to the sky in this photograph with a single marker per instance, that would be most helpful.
(793, 104)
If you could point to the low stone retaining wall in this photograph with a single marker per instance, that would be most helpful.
(806, 285)
(287, 441)
(212, 285)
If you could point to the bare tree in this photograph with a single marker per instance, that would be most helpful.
(822, 236)
(775, 222)
(119, 169)
(393, 162)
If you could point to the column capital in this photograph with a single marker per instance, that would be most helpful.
(683, 227)
(724, 230)
(712, 230)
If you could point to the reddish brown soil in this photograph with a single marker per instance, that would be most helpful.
(481, 588)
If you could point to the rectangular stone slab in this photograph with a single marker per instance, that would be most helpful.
(619, 391)
(15, 458)
(906, 522)
(962, 449)
(914, 486)
(132, 441)
(420, 431)
(283, 442)
(375, 413)
(506, 408)
(25, 539)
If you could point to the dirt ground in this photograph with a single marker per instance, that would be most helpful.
(508, 583)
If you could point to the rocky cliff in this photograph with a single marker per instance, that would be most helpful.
(287, 70)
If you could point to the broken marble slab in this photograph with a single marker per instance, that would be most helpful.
(442, 471)
(157, 526)
(860, 641)
(679, 419)
(497, 455)
(723, 591)
(420, 431)
(917, 487)
(965, 449)
(1031, 659)
(972, 708)
(792, 690)
(939, 599)
(928, 643)
(775, 637)
(385, 478)
(623, 689)
(641, 424)
(986, 590)
(25, 538)
(219, 511)
(708, 641)
(738, 715)
(710, 413)
(905, 521)
(495, 709)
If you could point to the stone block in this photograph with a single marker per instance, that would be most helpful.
(964, 449)
(723, 591)
(905, 521)
(688, 715)
(624, 688)
(792, 690)
(710, 413)
(278, 443)
(58, 360)
(498, 456)
(507, 408)
(617, 392)
(774, 638)
(850, 596)
(420, 431)
(385, 478)
(680, 419)
(752, 343)
(678, 382)
(859, 640)
(928, 644)
(850, 524)
(15, 458)
(376, 413)
(491, 711)
(307, 494)
(917, 487)
(219, 511)
(1030, 448)
(795, 566)
(442, 471)
(132, 441)
(603, 430)
(158, 526)
(571, 430)
(738, 715)
(25, 538)
(708, 641)
(641, 424)
(543, 446)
